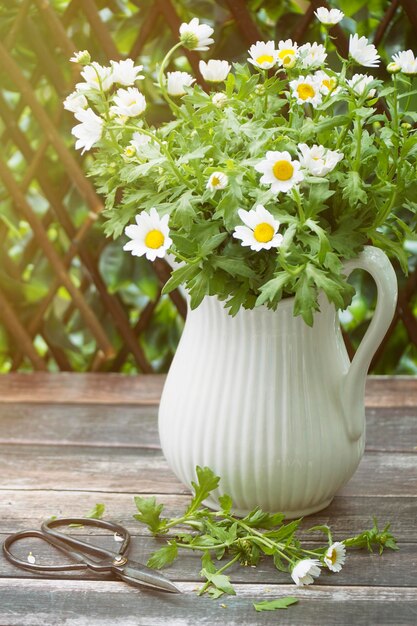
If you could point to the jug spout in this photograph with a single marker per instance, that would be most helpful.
(374, 261)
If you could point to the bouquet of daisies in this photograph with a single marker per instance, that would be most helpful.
(268, 177)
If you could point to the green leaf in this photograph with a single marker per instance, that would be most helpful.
(207, 482)
(180, 276)
(150, 514)
(226, 503)
(271, 605)
(305, 302)
(233, 266)
(97, 512)
(353, 190)
(261, 519)
(164, 556)
(271, 291)
(212, 243)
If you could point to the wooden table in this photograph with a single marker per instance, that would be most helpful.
(69, 441)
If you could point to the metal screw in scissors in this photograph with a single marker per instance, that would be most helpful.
(116, 563)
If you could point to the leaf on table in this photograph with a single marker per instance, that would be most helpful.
(150, 514)
(164, 556)
(278, 603)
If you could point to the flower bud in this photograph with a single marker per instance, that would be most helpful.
(406, 126)
(393, 68)
(219, 100)
(376, 126)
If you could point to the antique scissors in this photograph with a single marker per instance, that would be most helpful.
(116, 563)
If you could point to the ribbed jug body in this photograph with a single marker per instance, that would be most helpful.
(256, 398)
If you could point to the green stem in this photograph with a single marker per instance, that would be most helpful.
(267, 542)
(163, 149)
(174, 107)
(219, 571)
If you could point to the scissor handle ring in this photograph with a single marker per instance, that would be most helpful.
(32, 566)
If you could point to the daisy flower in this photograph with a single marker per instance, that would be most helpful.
(329, 17)
(287, 52)
(327, 84)
(82, 57)
(363, 52)
(306, 89)
(149, 236)
(359, 83)
(126, 72)
(129, 102)
(96, 76)
(89, 131)
(407, 61)
(176, 81)
(196, 36)
(335, 556)
(217, 180)
(318, 160)
(263, 54)
(279, 171)
(75, 101)
(260, 231)
(305, 571)
(214, 71)
(312, 55)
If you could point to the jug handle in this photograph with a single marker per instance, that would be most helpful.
(376, 262)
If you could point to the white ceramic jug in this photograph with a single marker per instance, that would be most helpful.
(272, 406)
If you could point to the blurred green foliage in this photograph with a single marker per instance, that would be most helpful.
(26, 275)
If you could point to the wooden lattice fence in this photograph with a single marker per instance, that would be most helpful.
(68, 300)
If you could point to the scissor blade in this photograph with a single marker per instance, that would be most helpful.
(138, 574)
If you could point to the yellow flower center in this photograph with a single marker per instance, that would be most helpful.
(265, 58)
(263, 232)
(305, 91)
(286, 53)
(154, 239)
(330, 83)
(333, 556)
(283, 170)
(215, 181)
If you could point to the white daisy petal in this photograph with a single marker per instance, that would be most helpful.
(196, 36)
(263, 54)
(260, 230)
(150, 235)
(280, 171)
(125, 72)
(217, 180)
(406, 62)
(306, 89)
(214, 71)
(305, 571)
(359, 84)
(177, 81)
(329, 17)
(129, 102)
(335, 556)
(287, 52)
(318, 160)
(363, 52)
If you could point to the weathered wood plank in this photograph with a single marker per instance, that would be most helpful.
(131, 470)
(392, 429)
(346, 516)
(84, 425)
(74, 388)
(108, 603)
(111, 388)
(361, 568)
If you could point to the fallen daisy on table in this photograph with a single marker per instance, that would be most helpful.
(335, 556)
(305, 571)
